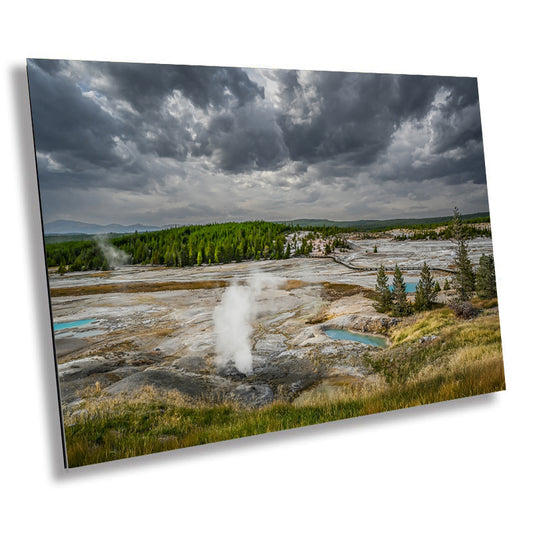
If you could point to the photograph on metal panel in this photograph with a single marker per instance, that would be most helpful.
(236, 251)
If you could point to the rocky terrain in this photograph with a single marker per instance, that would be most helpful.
(165, 338)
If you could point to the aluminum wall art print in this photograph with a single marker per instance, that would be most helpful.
(235, 251)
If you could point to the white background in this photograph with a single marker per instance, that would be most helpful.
(460, 466)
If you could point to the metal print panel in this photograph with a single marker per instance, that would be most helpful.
(235, 251)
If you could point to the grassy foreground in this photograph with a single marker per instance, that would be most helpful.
(465, 359)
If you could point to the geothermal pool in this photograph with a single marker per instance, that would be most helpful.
(410, 286)
(65, 325)
(342, 334)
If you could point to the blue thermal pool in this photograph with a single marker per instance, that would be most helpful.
(342, 334)
(410, 286)
(65, 325)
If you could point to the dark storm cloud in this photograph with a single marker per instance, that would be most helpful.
(247, 139)
(145, 85)
(456, 127)
(355, 115)
(72, 127)
(175, 132)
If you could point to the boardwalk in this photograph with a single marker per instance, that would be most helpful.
(375, 269)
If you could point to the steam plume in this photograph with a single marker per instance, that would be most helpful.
(233, 322)
(113, 255)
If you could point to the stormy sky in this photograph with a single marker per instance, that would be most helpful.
(159, 144)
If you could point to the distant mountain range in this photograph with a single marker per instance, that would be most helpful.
(62, 227)
(364, 225)
(73, 227)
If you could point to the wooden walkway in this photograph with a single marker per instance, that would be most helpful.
(375, 269)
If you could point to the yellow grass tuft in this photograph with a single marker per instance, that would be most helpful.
(421, 325)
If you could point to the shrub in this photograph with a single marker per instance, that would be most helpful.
(463, 309)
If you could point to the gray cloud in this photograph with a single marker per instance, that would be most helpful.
(356, 115)
(72, 127)
(165, 144)
(145, 85)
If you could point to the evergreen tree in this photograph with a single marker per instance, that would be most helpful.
(239, 252)
(486, 277)
(463, 281)
(400, 305)
(420, 302)
(425, 290)
(384, 296)
(446, 285)
(437, 286)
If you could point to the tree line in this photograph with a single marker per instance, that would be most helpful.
(465, 281)
(195, 245)
(180, 247)
(470, 232)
